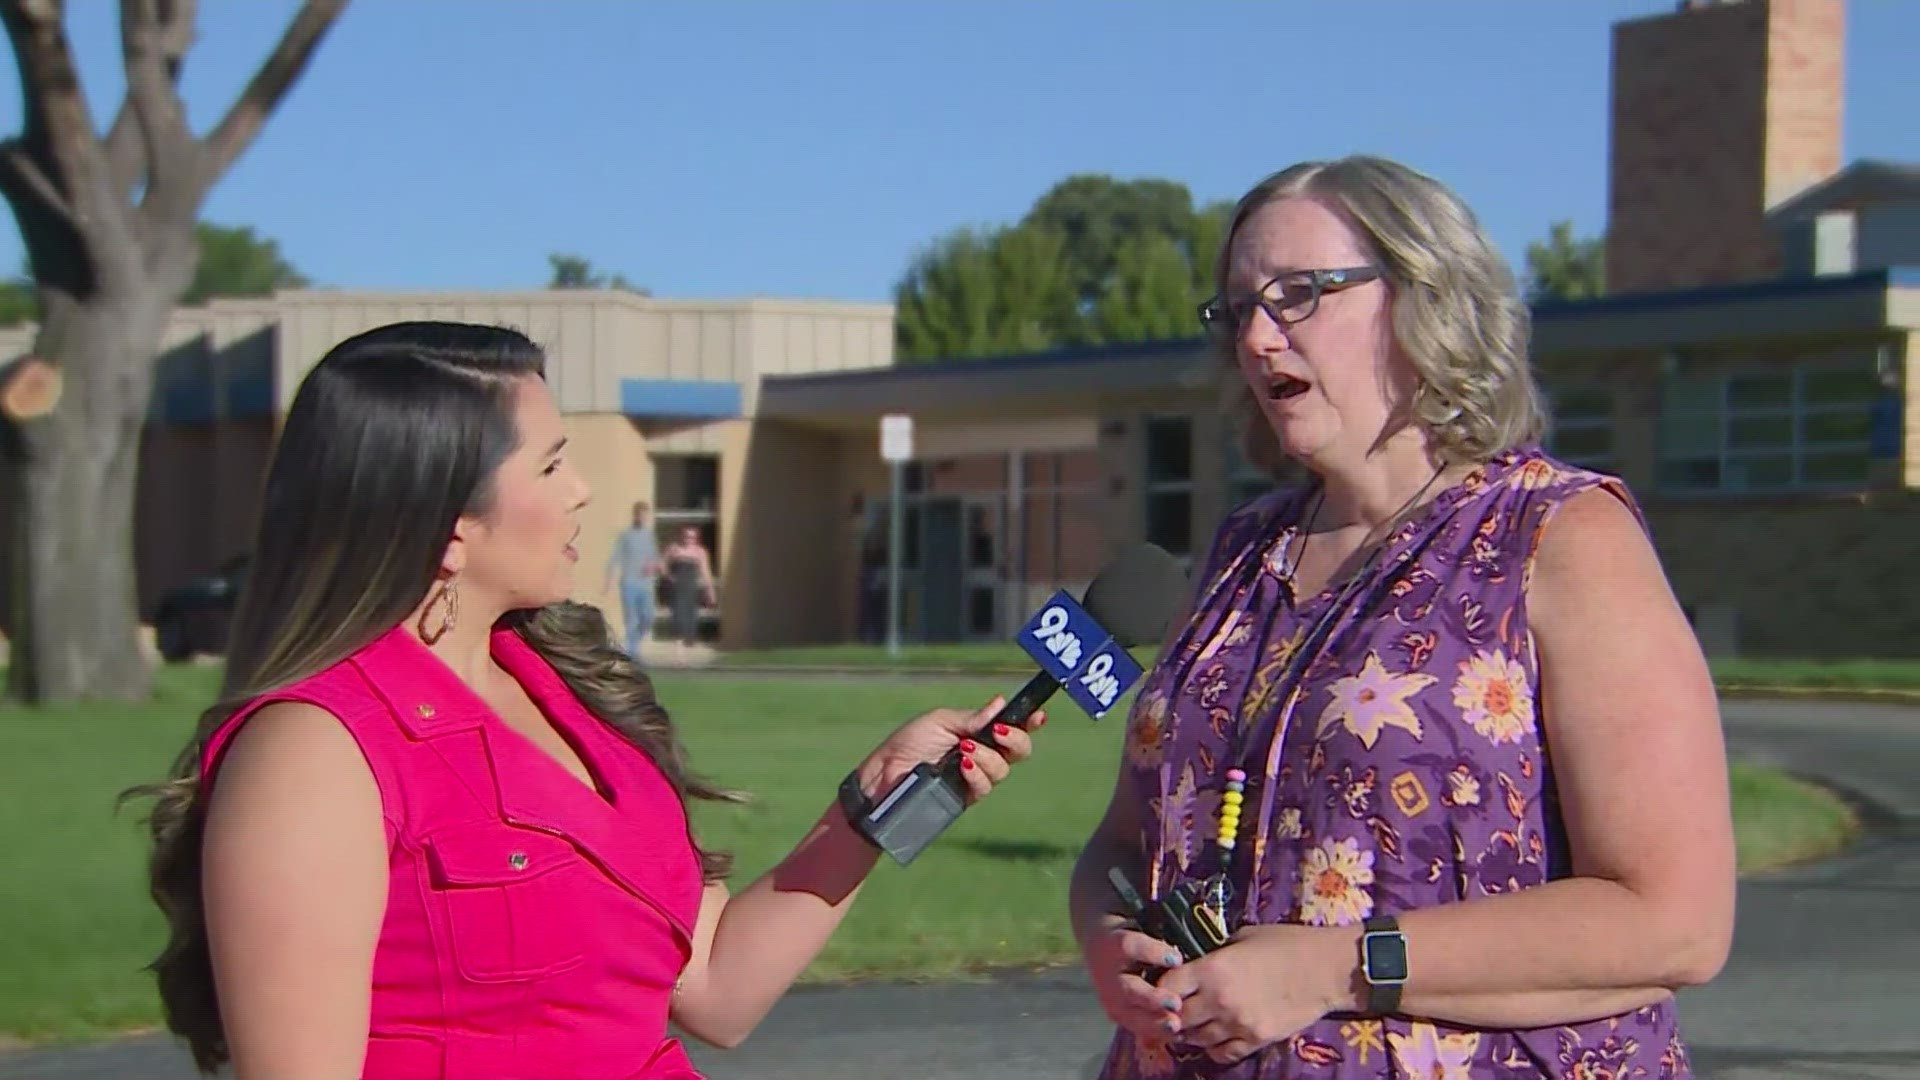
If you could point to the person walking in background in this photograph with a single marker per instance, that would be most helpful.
(690, 583)
(634, 571)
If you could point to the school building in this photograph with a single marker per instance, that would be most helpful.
(1751, 373)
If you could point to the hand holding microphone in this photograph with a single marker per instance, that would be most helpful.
(1080, 646)
(931, 737)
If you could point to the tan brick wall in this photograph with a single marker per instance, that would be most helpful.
(1804, 579)
(973, 474)
(786, 571)
(1806, 95)
(1716, 114)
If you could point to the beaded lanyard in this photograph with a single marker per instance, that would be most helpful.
(1216, 890)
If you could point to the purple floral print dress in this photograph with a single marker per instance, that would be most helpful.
(1410, 770)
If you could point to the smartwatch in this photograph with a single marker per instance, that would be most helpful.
(1383, 963)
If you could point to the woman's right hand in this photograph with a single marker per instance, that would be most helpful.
(1117, 956)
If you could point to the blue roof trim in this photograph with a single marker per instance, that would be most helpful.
(1756, 290)
(1052, 358)
(681, 399)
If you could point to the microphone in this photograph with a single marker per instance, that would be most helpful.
(1080, 646)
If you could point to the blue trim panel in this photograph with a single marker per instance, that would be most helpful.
(1868, 281)
(681, 398)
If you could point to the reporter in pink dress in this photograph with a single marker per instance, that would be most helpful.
(436, 825)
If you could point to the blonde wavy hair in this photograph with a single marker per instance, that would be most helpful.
(1457, 315)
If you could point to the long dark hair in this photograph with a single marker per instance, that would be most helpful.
(394, 435)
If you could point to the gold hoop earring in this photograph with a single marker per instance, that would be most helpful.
(448, 614)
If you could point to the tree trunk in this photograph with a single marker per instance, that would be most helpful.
(75, 603)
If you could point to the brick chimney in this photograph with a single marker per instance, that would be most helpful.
(1720, 111)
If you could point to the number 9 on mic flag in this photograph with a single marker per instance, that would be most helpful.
(1088, 662)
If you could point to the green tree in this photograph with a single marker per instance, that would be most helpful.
(1096, 216)
(233, 262)
(1094, 260)
(108, 218)
(1564, 268)
(236, 262)
(1150, 295)
(1204, 237)
(18, 305)
(980, 293)
(577, 272)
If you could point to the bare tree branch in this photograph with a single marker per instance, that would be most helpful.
(58, 124)
(18, 165)
(59, 150)
(125, 154)
(152, 45)
(152, 33)
(263, 93)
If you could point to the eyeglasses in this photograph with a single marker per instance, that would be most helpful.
(1286, 299)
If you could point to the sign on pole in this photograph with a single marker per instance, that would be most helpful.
(896, 438)
(896, 449)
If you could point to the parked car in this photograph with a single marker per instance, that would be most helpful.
(193, 617)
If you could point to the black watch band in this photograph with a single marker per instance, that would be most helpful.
(855, 805)
(1383, 963)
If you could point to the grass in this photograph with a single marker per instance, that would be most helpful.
(990, 894)
(1742, 672)
(988, 656)
(1819, 674)
(1779, 820)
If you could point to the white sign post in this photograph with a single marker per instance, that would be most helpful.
(896, 449)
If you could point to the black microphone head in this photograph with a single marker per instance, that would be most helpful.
(1137, 594)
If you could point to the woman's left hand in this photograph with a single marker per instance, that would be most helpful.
(1263, 986)
(929, 737)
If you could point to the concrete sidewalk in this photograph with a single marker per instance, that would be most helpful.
(1824, 980)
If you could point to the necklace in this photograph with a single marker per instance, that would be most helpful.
(1216, 890)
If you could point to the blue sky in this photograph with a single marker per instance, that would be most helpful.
(807, 148)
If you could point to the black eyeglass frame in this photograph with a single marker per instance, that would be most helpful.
(1217, 316)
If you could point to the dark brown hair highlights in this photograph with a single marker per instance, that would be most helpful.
(393, 436)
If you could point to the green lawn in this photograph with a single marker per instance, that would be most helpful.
(994, 656)
(1819, 674)
(990, 656)
(989, 894)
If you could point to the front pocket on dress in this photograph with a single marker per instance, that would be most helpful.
(504, 892)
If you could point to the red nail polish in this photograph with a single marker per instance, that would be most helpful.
(966, 746)
(1001, 730)
(966, 763)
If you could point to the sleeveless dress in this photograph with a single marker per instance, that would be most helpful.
(684, 573)
(1409, 770)
(535, 927)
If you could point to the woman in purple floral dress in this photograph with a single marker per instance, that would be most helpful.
(1434, 739)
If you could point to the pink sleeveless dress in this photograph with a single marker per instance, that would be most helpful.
(535, 927)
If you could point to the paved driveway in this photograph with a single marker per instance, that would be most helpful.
(1824, 980)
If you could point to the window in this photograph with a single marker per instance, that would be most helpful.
(1801, 428)
(1169, 483)
(1245, 481)
(1582, 431)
